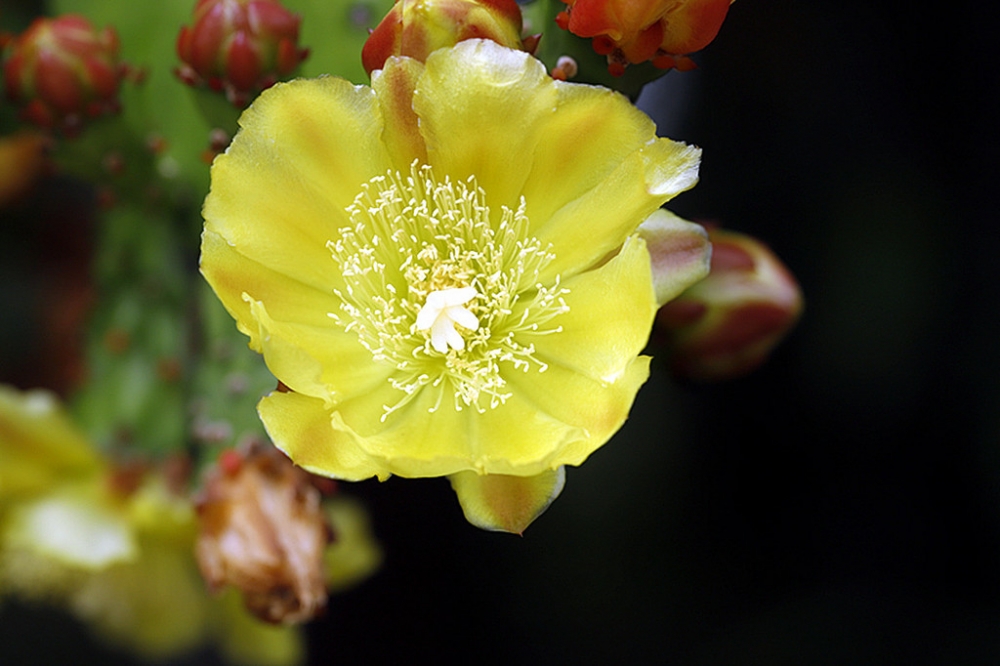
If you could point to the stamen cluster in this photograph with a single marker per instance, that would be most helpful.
(414, 238)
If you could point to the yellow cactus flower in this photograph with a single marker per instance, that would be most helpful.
(443, 270)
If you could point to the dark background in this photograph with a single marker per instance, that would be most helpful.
(839, 506)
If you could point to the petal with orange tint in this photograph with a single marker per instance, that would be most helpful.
(503, 503)
(611, 310)
(300, 426)
(280, 191)
(462, 94)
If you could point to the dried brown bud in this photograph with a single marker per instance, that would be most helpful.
(263, 531)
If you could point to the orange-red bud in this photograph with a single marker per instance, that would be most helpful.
(415, 28)
(727, 324)
(239, 47)
(263, 530)
(634, 31)
(61, 71)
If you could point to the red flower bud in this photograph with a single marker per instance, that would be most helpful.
(415, 28)
(239, 46)
(634, 31)
(727, 324)
(262, 530)
(61, 71)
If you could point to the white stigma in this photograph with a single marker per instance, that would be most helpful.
(441, 311)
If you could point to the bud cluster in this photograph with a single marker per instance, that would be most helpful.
(239, 47)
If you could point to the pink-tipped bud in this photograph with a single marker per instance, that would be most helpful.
(263, 530)
(415, 28)
(634, 31)
(239, 47)
(61, 71)
(727, 324)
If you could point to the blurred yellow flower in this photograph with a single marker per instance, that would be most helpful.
(443, 270)
(116, 547)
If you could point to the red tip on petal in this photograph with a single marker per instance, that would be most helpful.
(289, 56)
(243, 68)
(383, 41)
(645, 45)
(183, 45)
(685, 64)
(56, 83)
(270, 18)
(693, 25)
(664, 61)
(509, 9)
(103, 78)
(728, 256)
(680, 313)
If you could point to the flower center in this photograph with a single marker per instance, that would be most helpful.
(442, 310)
(441, 288)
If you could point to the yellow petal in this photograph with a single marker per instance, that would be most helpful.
(611, 312)
(518, 438)
(596, 409)
(280, 191)
(300, 426)
(512, 438)
(413, 441)
(505, 503)
(321, 362)
(581, 145)
(394, 86)
(679, 250)
(426, 437)
(232, 275)
(584, 231)
(354, 442)
(480, 108)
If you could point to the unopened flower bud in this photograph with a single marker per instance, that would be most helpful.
(415, 28)
(634, 31)
(727, 324)
(263, 531)
(239, 47)
(61, 71)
